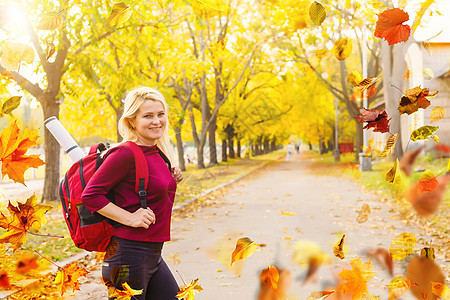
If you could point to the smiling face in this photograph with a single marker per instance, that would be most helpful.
(150, 122)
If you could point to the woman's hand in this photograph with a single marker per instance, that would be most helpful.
(142, 218)
(176, 172)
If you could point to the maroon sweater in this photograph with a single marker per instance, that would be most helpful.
(118, 173)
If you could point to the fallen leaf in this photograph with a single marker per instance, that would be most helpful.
(319, 295)
(187, 292)
(288, 213)
(120, 14)
(22, 218)
(338, 248)
(245, 247)
(4, 279)
(376, 119)
(390, 26)
(393, 176)
(125, 294)
(437, 113)
(440, 290)
(423, 272)
(317, 13)
(26, 262)
(13, 149)
(356, 279)
(68, 277)
(402, 245)
(427, 182)
(271, 276)
(390, 145)
(398, 287)
(423, 132)
(383, 257)
(342, 48)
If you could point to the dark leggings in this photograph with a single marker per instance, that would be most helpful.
(140, 265)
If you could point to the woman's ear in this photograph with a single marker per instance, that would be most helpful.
(132, 123)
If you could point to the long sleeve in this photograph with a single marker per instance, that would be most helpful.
(116, 166)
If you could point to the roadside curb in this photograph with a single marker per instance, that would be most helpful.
(28, 282)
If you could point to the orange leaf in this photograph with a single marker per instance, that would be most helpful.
(383, 257)
(68, 277)
(414, 99)
(4, 279)
(21, 219)
(440, 290)
(422, 271)
(407, 74)
(342, 48)
(427, 182)
(356, 279)
(8, 75)
(188, 292)
(320, 295)
(26, 262)
(437, 113)
(125, 294)
(428, 252)
(271, 276)
(398, 287)
(338, 248)
(13, 149)
(389, 26)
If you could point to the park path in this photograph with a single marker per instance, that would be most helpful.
(204, 234)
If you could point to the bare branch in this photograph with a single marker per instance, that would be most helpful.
(33, 89)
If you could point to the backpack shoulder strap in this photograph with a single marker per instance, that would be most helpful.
(141, 172)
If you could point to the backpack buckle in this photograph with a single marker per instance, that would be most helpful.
(142, 194)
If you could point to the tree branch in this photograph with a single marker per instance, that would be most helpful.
(33, 89)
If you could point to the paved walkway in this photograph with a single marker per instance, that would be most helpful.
(322, 209)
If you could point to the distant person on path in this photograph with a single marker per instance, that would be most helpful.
(289, 148)
(138, 241)
(297, 147)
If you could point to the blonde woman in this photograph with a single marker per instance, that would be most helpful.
(143, 232)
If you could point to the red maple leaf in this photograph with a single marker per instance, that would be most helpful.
(376, 119)
(389, 26)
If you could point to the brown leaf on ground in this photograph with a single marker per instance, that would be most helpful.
(428, 203)
(421, 271)
(311, 274)
(382, 256)
(407, 161)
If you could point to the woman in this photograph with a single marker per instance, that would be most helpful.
(137, 243)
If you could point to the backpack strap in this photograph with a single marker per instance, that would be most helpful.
(141, 172)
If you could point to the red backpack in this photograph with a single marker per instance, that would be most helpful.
(89, 231)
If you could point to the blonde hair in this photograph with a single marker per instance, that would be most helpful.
(133, 102)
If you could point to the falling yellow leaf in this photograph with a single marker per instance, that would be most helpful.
(306, 252)
(420, 13)
(175, 258)
(14, 53)
(427, 73)
(407, 74)
(298, 229)
(437, 113)
(436, 139)
(354, 78)
(10, 105)
(423, 132)
(51, 49)
(440, 290)
(390, 145)
(317, 13)
(187, 292)
(338, 248)
(120, 14)
(323, 54)
(402, 245)
(428, 252)
(393, 176)
(342, 48)
(245, 247)
(448, 166)
(353, 170)
(371, 147)
(427, 47)
(125, 294)
(320, 295)
(398, 287)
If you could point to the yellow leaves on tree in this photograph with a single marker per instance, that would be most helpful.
(356, 279)
(51, 20)
(245, 247)
(68, 277)
(188, 291)
(338, 248)
(120, 14)
(206, 9)
(402, 245)
(398, 287)
(21, 218)
(125, 294)
(393, 176)
(13, 149)
(14, 53)
(271, 276)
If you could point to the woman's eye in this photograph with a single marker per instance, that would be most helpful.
(161, 114)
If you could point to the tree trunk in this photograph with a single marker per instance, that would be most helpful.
(212, 142)
(273, 145)
(231, 146)
(180, 150)
(224, 150)
(238, 148)
(52, 153)
(266, 145)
